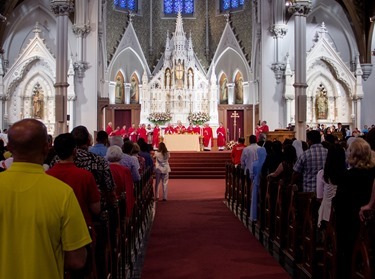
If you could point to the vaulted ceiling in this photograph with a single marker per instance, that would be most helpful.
(359, 13)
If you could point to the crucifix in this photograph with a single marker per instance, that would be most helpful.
(234, 115)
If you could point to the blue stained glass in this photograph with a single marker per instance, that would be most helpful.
(231, 4)
(226, 4)
(126, 4)
(175, 6)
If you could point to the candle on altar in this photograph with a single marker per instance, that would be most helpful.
(201, 132)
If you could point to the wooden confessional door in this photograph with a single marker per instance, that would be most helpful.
(235, 124)
(122, 117)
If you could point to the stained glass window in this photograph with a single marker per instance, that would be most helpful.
(172, 7)
(229, 5)
(126, 5)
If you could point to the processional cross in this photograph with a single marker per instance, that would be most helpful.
(234, 115)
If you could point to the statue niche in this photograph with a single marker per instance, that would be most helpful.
(38, 101)
(119, 89)
(238, 89)
(179, 75)
(321, 103)
(134, 89)
(223, 89)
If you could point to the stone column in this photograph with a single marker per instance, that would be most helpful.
(62, 9)
(300, 9)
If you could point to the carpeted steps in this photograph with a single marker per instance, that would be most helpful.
(202, 165)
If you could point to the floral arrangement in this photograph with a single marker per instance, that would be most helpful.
(198, 117)
(231, 144)
(159, 117)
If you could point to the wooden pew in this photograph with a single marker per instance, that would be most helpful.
(281, 216)
(269, 208)
(330, 248)
(363, 261)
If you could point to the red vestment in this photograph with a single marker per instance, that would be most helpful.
(180, 129)
(132, 134)
(108, 130)
(221, 135)
(190, 130)
(207, 138)
(169, 130)
(261, 129)
(142, 132)
(123, 133)
(156, 137)
(197, 130)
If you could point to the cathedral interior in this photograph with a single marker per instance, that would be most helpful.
(72, 63)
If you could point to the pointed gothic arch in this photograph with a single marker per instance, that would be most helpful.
(134, 89)
(238, 88)
(119, 88)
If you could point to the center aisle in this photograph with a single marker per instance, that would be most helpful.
(195, 235)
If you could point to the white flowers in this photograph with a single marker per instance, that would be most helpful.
(198, 117)
(159, 117)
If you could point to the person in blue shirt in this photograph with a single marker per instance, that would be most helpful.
(101, 146)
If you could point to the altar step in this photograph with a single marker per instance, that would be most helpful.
(205, 164)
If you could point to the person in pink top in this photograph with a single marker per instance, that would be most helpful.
(221, 135)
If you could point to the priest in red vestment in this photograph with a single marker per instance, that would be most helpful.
(190, 129)
(179, 129)
(156, 137)
(263, 128)
(169, 130)
(221, 136)
(123, 132)
(207, 137)
(109, 128)
(197, 130)
(142, 132)
(132, 133)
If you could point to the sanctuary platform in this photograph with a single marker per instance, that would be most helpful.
(203, 164)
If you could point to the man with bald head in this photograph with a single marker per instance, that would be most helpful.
(42, 229)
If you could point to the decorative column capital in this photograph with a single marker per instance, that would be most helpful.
(81, 31)
(278, 30)
(80, 68)
(62, 7)
(299, 7)
(278, 68)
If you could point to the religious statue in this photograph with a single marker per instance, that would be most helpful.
(190, 78)
(38, 101)
(133, 90)
(179, 75)
(239, 91)
(119, 91)
(167, 78)
(321, 103)
(224, 92)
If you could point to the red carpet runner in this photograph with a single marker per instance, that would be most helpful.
(194, 235)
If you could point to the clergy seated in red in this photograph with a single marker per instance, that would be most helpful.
(156, 137)
(109, 128)
(190, 129)
(169, 130)
(237, 151)
(142, 132)
(197, 130)
(132, 133)
(179, 129)
(221, 135)
(81, 180)
(261, 129)
(207, 138)
(122, 177)
(123, 132)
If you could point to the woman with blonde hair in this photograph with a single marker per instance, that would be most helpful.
(162, 170)
(353, 191)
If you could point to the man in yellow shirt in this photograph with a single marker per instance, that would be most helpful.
(42, 229)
